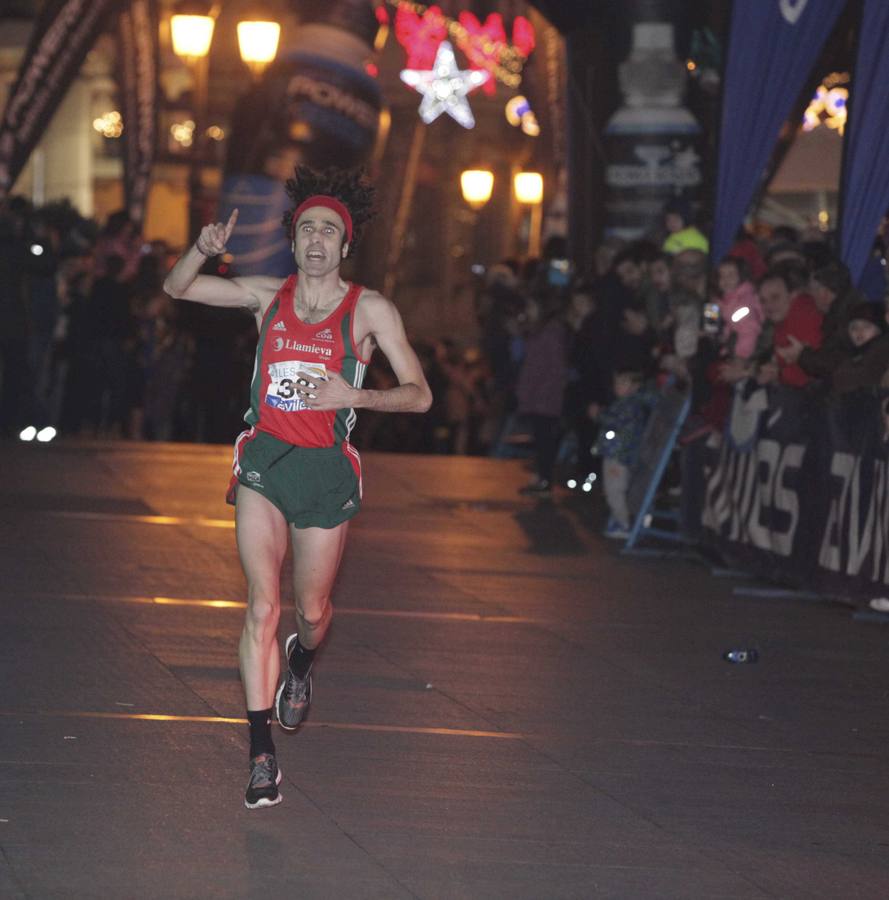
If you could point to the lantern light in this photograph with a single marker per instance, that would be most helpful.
(258, 43)
(191, 32)
(477, 185)
(528, 187)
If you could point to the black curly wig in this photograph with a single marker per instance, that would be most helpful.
(349, 186)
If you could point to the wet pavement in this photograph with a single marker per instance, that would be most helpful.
(506, 707)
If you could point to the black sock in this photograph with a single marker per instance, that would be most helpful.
(300, 660)
(260, 722)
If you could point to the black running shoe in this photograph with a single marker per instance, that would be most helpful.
(294, 696)
(265, 776)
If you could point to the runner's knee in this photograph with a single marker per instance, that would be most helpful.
(263, 610)
(314, 615)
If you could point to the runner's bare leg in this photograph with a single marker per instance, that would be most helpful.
(316, 559)
(262, 544)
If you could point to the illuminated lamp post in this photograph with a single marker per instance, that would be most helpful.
(528, 188)
(258, 37)
(191, 28)
(476, 185)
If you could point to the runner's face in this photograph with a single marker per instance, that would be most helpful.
(318, 244)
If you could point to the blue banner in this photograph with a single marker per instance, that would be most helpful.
(865, 181)
(772, 47)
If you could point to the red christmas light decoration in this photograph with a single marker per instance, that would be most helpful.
(420, 34)
(485, 44)
(420, 30)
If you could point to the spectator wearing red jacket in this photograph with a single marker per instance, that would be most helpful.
(831, 287)
(794, 316)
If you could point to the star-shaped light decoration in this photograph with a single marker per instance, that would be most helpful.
(444, 87)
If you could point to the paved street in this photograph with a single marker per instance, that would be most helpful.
(506, 706)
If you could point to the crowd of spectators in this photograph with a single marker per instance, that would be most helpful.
(564, 366)
(91, 346)
(573, 363)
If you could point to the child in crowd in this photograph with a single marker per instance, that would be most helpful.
(868, 358)
(734, 339)
(621, 427)
(739, 307)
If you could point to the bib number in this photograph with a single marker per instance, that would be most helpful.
(284, 380)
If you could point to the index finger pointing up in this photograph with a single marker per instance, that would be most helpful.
(230, 225)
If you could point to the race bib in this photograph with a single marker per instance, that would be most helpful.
(283, 383)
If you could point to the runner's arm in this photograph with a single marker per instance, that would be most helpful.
(184, 283)
(386, 327)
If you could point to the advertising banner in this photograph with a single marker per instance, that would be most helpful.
(799, 491)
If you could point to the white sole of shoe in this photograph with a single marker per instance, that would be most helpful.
(264, 802)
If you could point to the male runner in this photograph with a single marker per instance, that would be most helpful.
(294, 468)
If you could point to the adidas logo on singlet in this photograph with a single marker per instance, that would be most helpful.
(324, 335)
(279, 326)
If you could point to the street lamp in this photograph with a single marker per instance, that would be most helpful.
(191, 28)
(258, 42)
(528, 187)
(476, 185)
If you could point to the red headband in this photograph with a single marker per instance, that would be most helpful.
(328, 202)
